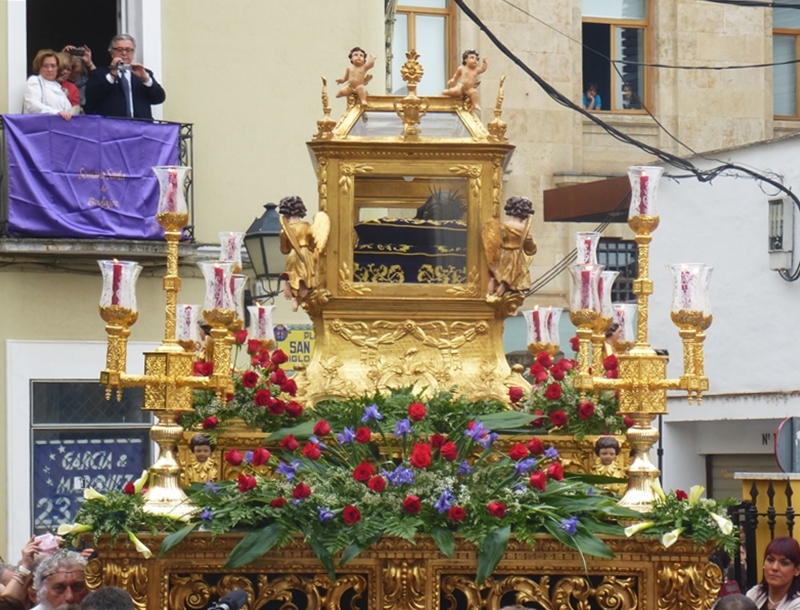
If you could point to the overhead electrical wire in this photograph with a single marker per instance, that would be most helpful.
(756, 3)
(666, 157)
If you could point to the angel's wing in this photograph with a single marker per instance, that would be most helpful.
(367, 78)
(290, 234)
(320, 230)
(492, 240)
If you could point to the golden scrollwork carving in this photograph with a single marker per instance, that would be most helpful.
(314, 302)
(347, 286)
(333, 383)
(123, 573)
(507, 304)
(688, 586)
(348, 171)
(497, 186)
(404, 585)
(322, 183)
(468, 289)
(473, 172)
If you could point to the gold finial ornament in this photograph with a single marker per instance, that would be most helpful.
(497, 127)
(411, 108)
(326, 124)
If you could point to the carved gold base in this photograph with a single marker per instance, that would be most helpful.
(395, 574)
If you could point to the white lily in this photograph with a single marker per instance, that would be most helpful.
(694, 494)
(670, 538)
(724, 524)
(90, 494)
(147, 553)
(631, 530)
(76, 528)
(139, 483)
(655, 485)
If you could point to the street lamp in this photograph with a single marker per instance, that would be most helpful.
(263, 245)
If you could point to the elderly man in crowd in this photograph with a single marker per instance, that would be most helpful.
(60, 581)
(126, 88)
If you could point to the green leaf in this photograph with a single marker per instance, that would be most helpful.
(492, 551)
(301, 431)
(594, 479)
(445, 539)
(355, 548)
(324, 556)
(254, 545)
(505, 420)
(175, 538)
(591, 545)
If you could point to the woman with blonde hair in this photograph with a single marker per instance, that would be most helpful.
(43, 92)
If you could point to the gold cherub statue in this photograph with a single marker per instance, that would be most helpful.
(302, 242)
(465, 80)
(510, 248)
(356, 75)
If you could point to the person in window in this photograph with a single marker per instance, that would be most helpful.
(591, 99)
(82, 65)
(64, 74)
(43, 93)
(630, 101)
(126, 88)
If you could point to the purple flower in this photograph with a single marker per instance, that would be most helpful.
(551, 452)
(400, 476)
(570, 526)
(211, 488)
(296, 501)
(488, 440)
(248, 457)
(325, 514)
(523, 466)
(288, 470)
(347, 436)
(464, 469)
(206, 515)
(402, 428)
(371, 412)
(445, 501)
(478, 431)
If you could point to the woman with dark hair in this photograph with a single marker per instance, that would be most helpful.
(613, 334)
(780, 588)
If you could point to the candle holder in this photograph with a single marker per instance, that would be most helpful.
(540, 326)
(586, 247)
(186, 329)
(238, 284)
(625, 316)
(230, 250)
(168, 378)
(261, 325)
(642, 383)
(606, 317)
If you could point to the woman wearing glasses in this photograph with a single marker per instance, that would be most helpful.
(43, 93)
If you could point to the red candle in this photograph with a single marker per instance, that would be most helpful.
(171, 195)
(586, 282)
(643, 203)
(537, 335)
(262, 323)
(587, 255)
(219, 288)
(116, 281)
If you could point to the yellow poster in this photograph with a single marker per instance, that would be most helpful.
(296, 341)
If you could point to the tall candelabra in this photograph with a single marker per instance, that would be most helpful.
(642, 381)
(168, 378)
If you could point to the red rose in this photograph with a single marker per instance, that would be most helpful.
(515, 394)
(229, 397)
(278, 503)
(250, 380)
(628, 421)
(610, 362)
(363, 435)
(279, 357)
(210, 422)
(535, 446)
(538, 480)
(312, 451)
(129, 488)
(612, 374)
(517, 452)
(575, 344)
(240, 337)
(253, 346)
(290, 387)
(558, 419)
(544, 359)
(246, 482)
(276, 406)
(553, 391)
(363, 472)
(204, 369)
(498, 509)
(289, 443)
(421, 455)
(568, 364)
(586, 410)
(437, 440)
(449, 452)
(679, 493)
(322, 428)
(417, 411)
(538, 372)
(412, 505)
(377, 484)
(278, 377)
(301, 490)
(456, 514)
(558, 372)
(539, 421)
(351, 515)
(294, 409)
(262, 397)
(555, 471)
(260, 456)
(233, 457)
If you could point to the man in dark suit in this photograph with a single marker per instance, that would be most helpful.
(126, 88)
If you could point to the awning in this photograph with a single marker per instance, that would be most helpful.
(599, 201)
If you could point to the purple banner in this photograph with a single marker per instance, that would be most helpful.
(89, 177)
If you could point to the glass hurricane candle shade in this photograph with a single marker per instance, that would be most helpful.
(119, 284)
(690, 299)
(187, 331)
(261, 323)
(238, 284)
(586, 247)
(625, 316)
(219, 295)
(230, 249)
(644, 188)
(173, 211)
(537, 329)
(604, 285)
(585, 279)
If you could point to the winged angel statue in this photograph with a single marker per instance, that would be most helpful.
(302, 242)
(510, 248)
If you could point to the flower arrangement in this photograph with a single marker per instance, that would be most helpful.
(558, 407)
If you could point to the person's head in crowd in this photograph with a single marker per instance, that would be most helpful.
(60, 581)
(781, 568)
(46, 64)
(108, 598)
(614, 332)
(78, 68)
(606, 448)
(9, 602)
(735, 602)
(122, 49)
(201, 447)
(64, 67)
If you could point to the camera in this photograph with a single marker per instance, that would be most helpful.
(77, 52)
(122, 67)
(48, 543)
